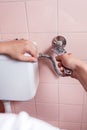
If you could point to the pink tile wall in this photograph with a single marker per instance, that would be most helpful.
(0, 36)
(42, 15)
(71, 94)
(71, 126)
(72, 15)
(84, 126)
(47, 111)
(70, 113)
(59, 101)
(10, 36)
(76, 43)
(50, 96)
(13, 17)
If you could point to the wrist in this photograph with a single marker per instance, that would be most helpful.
(2, 48)
(76, 68)
(80, 66)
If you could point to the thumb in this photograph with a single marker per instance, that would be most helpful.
(58, 58)
(62, 57)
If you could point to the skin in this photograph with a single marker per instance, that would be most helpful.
(17, 48)
(78, 67)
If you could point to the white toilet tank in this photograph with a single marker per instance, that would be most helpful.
(18, 80)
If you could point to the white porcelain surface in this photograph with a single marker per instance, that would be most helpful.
(18, 80)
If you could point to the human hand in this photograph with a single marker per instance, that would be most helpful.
(68, 61)
(17, 48)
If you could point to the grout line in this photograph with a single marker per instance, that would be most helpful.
(42, 32)
(27, 17)
(13, 33)
(77, 84)
(52, 103)
(58, 106)
(82, 110)
(59, 79)
(46, 32)
(36, 106)
(11, 1)
(48, 83)
(57, 17)
(73, 32)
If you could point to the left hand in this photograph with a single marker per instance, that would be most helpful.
(17, 48)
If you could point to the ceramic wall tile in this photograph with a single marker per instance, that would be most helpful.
(69, 126)
(72, 15)
(42, 15)
(43, 40)
(84, 117)
(29, 107)
(70, 113)
(12, 17)
(76, 44)
(8, 37)
(84, 126)
(70, 94)
(47, 111)
(47, 93)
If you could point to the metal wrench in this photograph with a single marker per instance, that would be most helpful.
(58, 45)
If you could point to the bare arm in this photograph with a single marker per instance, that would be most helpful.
(81, 70)
(78, 67)
(17, 48)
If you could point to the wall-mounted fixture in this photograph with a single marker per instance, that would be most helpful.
(18, 80)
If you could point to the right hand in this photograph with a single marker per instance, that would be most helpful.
(78, 67)
(69, 61)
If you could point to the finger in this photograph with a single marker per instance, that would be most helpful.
(69, 53)
(32, 49)
(34, 53)
(62, 69)
(58, 58)
(59, 64)
(62, 56)
(27, 58)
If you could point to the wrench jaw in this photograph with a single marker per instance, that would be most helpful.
(58, 45)
(58, 50)
(59, 41)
